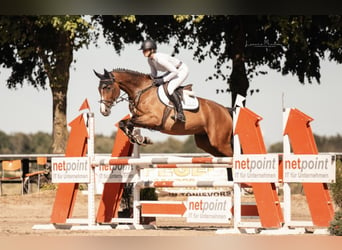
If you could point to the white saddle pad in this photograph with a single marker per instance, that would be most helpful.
(189, 102)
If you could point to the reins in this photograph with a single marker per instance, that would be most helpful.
(133, 102)
(118, 100)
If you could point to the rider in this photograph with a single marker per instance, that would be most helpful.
(177, 72)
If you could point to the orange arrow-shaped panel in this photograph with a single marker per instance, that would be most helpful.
(252, 142)
(299, 131)
(66, 192)
(248, 129)
(163, 208)
(303, 142)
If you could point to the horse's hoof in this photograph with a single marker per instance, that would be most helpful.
(143, 142)
(139, 139)
(147, 141)
(132, 141)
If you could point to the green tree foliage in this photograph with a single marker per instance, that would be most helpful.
(335, 227)
(40, 143)
(103, 144)
(172, 145)
(329, 143)
(5, 145)
(240, 44)
(39, 51)
(189, 146)
(336, 187)
(276, 148)
(289, 44)
(20, 143)
(324, 144)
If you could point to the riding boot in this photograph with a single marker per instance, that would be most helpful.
(178, 105)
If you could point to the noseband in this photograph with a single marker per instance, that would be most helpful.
(109, 104)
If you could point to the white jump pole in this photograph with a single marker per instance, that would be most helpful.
(237, 151)
(136, 191)
(286, 186)
(91, 156)
(237, 187)
(174, 160)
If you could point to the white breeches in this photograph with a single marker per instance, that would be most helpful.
(179, 79)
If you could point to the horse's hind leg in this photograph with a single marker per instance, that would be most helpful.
(203, 142)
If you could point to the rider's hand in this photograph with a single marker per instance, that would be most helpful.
(158, 81)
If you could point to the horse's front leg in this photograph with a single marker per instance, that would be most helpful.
(128, 127)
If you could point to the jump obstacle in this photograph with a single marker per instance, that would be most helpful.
(255, 167)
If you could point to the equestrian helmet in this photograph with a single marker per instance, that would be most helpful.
(148, 44)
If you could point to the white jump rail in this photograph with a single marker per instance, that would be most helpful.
(160, 160)
(159, 184)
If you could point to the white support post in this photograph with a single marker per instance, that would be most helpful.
(136, 189)
(136, 204)
(237, 205)
(286, 186)
(237, 186)
(91, 184)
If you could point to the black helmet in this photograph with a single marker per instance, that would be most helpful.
(148, 44)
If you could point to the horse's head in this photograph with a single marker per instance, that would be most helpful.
(109, 91)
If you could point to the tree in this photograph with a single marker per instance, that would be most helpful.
(171, 145)
(5, 144)
(39, 51)
(241, 44)
(289, 44)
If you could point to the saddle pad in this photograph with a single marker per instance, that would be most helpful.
(188, 102)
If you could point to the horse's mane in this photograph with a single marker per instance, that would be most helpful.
(134, 72)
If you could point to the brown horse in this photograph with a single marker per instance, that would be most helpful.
(211, 123)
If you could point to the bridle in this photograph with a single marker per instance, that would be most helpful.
(110, 103)
(133, 102)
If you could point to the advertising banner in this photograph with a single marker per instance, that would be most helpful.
(254, 168)
(309, 168)
(70, 170)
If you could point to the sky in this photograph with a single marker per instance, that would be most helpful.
(29, 110)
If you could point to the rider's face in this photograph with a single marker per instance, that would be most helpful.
(147, 52)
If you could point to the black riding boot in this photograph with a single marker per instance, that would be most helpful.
(178, 105)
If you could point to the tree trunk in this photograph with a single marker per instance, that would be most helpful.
(238, 79)
(60, 130)
(58, 74)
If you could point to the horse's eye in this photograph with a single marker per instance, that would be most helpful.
(106, 87)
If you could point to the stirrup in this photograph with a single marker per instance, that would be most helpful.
(179, 117)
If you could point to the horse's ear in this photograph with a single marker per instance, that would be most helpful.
(107, 74)
(99, 75)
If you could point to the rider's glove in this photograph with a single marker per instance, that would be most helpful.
(158, 81)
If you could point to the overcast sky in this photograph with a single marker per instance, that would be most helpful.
(29, 110)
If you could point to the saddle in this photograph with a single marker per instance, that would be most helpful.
(188, 100)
